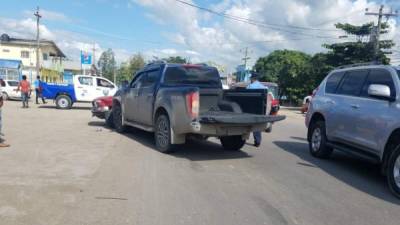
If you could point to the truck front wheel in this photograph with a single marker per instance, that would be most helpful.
(63, 102)
(232, 143)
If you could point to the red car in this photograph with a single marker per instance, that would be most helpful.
(101, 108)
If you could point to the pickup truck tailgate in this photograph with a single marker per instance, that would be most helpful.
(223, 117)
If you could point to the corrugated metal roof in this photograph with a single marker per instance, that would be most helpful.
(12, 64)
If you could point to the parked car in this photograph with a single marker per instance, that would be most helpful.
(9, 88)
(356, 110)
(179, 101)
(101, 108)
(83, 89)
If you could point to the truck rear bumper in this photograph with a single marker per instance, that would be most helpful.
(220, 130)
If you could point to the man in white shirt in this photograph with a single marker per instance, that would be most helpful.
(2, 143)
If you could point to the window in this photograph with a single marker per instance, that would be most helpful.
(353, 82)
(333, 82)
(45, 56)
(104, 83)
(24, 54)
(2, 83)
(137, 81)
(193, 75)
(151, 78)
(379, 76)
(12, 83)
(86, 81)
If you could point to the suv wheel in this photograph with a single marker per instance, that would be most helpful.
(318, 141)
(162, 134)
(5, 96)
(232, 143)
(393, 171)
(117, 118)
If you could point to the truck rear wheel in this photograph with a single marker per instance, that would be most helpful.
(162, 134)
(232, 143)
(63, 102)
(393, 171)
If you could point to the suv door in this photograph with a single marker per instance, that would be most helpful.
(130, 101)
(347, 104)
(146, 97)
(372, 120)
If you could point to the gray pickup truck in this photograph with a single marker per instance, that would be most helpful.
(180, 101)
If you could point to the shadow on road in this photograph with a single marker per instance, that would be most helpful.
(73, 107)
(193, 150)
(359, 174)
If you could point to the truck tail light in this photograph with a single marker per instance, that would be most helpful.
(193, 104)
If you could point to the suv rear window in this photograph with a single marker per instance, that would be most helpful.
(353, 82)
(333, 82)
(193, 75)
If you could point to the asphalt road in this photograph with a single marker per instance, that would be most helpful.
(65, 167)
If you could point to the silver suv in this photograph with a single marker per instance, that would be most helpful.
(356, 109)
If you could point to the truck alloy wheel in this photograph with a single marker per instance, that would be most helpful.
(162, 134)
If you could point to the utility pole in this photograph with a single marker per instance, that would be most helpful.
(38, 16)
(246, 56)
(94, 54)
(377, 29)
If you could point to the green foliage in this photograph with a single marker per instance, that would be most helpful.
(176, 59)
(288, 69)
(107, 64)
(128, 69)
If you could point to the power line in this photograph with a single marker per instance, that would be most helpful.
(338, 18)
(258, 23)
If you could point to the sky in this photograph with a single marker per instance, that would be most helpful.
(162, 28)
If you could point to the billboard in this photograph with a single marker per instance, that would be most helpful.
(86, 58)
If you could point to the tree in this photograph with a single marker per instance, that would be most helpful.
(107, 64)
(289, 69)
(128, 69)
(361, 50)
(176, 59)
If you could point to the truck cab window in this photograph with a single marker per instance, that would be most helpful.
(104, 83)
(150, 78)
(86, 81)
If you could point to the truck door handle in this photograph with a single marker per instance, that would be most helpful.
(80, 87)
(98, 89)
(355, 106)
(330, 102)
(149, 95)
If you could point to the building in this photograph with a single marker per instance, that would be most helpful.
(50, 57)
(10, 69)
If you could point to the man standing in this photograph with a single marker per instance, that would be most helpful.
(2, 144)
(25, 87)
(38, 90)
(255, 84)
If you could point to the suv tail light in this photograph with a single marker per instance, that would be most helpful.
(193, 104)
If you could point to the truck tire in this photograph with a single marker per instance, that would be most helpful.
(110, 120)
(162, 134)
(393, 171)
(318, 142)
(117, 118)
(232, 143)
(63, 102)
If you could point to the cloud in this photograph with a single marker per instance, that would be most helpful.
(220, 39)
(48, 15)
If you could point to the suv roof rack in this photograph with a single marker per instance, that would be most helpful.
(359, 64)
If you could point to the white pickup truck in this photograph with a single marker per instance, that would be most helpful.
(83, 89)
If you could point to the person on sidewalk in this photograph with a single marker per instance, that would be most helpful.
(255, 84)
(39, 90)
(25, 87)
(2, 141)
